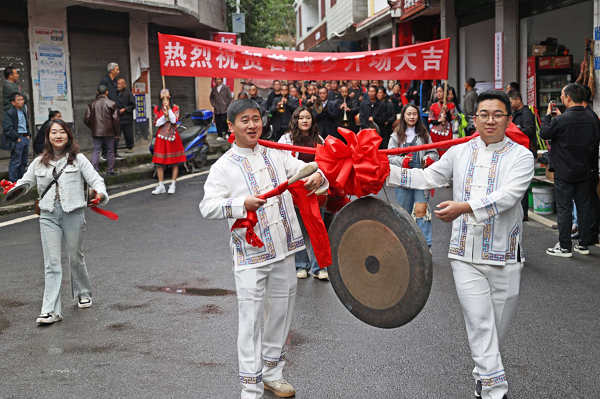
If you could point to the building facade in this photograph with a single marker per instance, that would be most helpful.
(62, 48)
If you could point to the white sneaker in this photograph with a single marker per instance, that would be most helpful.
(302, 273)
(559, 251)
(280, 388)
(322, 275)
(172, 188)
(84, 302)
(220, 139)
(160, 189)
(48, 318)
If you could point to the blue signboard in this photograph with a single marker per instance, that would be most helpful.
(140, 108)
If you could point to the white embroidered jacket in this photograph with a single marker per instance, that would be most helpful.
(241, 172)
(493, 179)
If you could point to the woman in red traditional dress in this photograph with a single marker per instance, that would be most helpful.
(168, 148)
(440, 119)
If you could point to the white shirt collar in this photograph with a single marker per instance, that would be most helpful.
(245, 151)
(493, 146)
(219, 87)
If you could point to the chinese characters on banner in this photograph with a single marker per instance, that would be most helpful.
(228, 38)
(498, 59)
(531, 90)
(184, 56)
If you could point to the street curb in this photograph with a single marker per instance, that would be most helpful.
(136, 173)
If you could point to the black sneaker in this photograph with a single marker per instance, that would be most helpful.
(582, 249)
(559, 251)
(478, 389)
(118, 157)
(111, 173)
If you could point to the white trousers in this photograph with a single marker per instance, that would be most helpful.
(488, 296)
(272, 288)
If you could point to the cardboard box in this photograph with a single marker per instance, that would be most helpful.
(549, 175)
(540, 50)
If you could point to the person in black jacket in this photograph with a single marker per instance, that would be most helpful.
(573, 135)
(281, 120)
(331, 116)
(253, 92)
(275, 93)
(525, 121)
(334, 94)
(594, 211)
(15, 136)
(388, 114)
(126, 105)
(371, 110)
(40, 138)
(350, 106)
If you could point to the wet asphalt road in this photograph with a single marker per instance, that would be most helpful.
(141, 340)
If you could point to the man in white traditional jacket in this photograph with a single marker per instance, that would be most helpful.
(264, 277)
(491, 173)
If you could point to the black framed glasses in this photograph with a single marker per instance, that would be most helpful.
(486, 117)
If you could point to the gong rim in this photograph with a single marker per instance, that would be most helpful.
(374, 212)
(15, 193)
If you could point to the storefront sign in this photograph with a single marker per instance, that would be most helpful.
(597, 33)
(531, 81)
(140, 108)
(185, 56)
(140, 86)
(563, 62)
(498, 59)
(412, 7)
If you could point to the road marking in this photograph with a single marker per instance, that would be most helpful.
(121, 194)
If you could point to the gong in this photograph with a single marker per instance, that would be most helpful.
(381, 265)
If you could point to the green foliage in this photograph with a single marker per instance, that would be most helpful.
(268, 22)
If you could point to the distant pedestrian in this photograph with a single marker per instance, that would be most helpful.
(168, 148)
(126, 104)
(110, 81)
(513, 86)
(15, 136)
(40, 137)
(11, 86)
(62, 215)
(102, 116)
(469, 103)
(220, 98)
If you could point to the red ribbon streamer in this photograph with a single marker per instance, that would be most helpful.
(248, 223)
(108, 214)
(7, 185)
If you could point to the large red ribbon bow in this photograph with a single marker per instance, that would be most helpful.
(357, 166)
(6, 185)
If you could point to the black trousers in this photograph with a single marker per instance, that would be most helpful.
(127, 131)
(594, 210)
(566, 193)
(221, 122)
(525, 203)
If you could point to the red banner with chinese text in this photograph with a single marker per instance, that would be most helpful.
(185, 56)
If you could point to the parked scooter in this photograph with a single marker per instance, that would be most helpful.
(193, 139)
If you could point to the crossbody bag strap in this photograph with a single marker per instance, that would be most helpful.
(55, 181)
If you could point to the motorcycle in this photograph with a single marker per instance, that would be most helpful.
(193, 139)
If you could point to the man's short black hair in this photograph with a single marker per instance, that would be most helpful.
(52, 114)
(252, 85)
(239, 106)
(324, 88)
(587, 93)
(574, 91)
(13, 97)
(8, 71)
(471, 82)
(514, 86)
(374, 87)
(102, 90)
(514, 95)
(495, 95)
(276, 81)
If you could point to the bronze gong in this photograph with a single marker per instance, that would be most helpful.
(381, 266)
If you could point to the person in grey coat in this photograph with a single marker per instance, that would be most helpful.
(220, 98)
(411, 131)
(62, 215)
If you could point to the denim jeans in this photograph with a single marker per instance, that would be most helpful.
(18, 159)
(407, 198)
(306, 259)
(53, 226)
